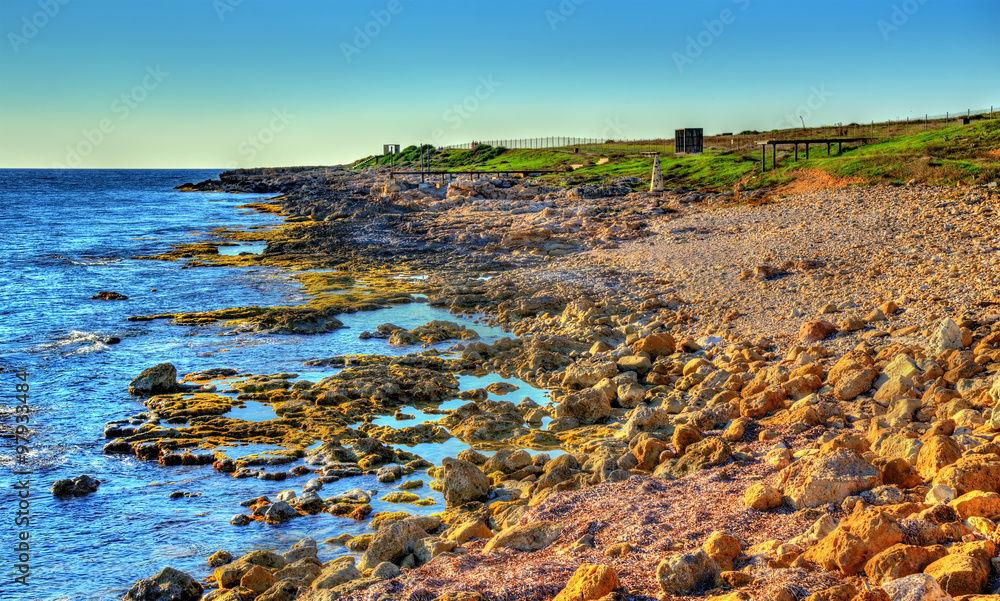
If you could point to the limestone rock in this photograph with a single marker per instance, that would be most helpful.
(158, 379)
(258, 580)
(827, 478)
(685, 573)
(463, 482)
(655, 345)
(960, 574)
(587, 406)
(230, 574)
(901, 560)
(589, 583)
(168, 585)
(723, 548)
(701, 455)
(816, 330)
(762, 496)
(918, 587)
(584, 374)
(526, 537)
(977, 503)
(859, 537)
(936, 453)
(946, 336)
(972, 472)
(392, 543)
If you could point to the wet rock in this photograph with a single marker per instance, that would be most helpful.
(463, 482)
(279, 512)
(827, 478)
(168, 585)
(526, 537)
(109, 295)
(159, 379)
(589, 583)
(77, 487)
(229, 575)
(219, 558)
(240, 520)
(685, 573)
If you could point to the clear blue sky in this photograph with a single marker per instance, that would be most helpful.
(216, 83)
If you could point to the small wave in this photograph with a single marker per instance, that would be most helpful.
(83, 261)
(86, 342)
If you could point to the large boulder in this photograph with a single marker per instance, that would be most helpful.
(972, 472)
(960, 574)
(901, 560)
(392, 543)
(827, 478)
(463, 482)
(168, 585)
(586, 406)
(526, 537)
(685, 573)
(155, 380)
(701, 455)
(859, 537)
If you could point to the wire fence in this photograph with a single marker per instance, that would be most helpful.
(742, 142)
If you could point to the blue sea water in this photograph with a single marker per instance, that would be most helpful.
(66, 235)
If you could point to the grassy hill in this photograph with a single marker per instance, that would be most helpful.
(948, 155)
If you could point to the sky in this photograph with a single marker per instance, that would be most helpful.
(245, 83)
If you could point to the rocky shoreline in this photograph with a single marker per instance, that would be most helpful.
(758, 398)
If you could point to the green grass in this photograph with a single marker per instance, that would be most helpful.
(923, 155)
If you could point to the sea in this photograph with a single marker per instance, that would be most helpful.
(66, 235)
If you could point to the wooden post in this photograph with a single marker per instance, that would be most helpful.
(774, 156)
(827, 149)
(796, 152)
(807, 151)
(763, 158)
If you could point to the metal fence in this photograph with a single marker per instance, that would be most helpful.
(743, 142)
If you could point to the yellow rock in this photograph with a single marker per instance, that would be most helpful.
(588, 583)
